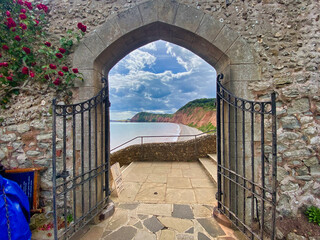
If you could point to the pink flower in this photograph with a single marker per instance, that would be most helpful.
(62, 50)
(17, 38)
(4, 64)
(52, 66)
(59, 55)
(9, 78)
(32, 74)
(33, 64)
(46, 77)
(37, 22)
(23, 26)
(43, 7)
(48, 44)
(13, 29)
(60, 73)
(75, 70)
(22, 16)
(82, 27)
(10, 23)
(5, 47)
(20, 2)
(57, 82)
(8, 13)
(1, 56)
(1, 76)
(65, 69)
(23, 10)
(28, 5)
(25, 70)
(26, 50)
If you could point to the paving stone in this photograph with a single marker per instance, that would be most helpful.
(201, 211)
(185, 237)
(144, 235)
(142, 217)
(138, 225)
(166, 234)
(105, 233)
(211, 226)
(155, 209)
(94, 233)
(119, 218)
(182, 211)
(191, 230)
(181, 225)
(124, 233)
(153, 224)
(129, 206)
(201, 236)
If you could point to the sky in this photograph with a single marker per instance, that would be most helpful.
(159, 77)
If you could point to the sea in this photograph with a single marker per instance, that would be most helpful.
(122, 132)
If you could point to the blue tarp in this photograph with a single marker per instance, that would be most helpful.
(18, 211)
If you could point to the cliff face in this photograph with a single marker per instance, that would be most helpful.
(198, 117)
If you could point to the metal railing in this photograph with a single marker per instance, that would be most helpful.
(194, 136)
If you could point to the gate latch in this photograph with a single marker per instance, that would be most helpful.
(63, 174)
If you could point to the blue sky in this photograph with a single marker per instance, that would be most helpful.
(159, 77)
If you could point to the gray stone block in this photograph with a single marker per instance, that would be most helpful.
(225, 38)
(83, 57)
(148, 11)
(246, 72)
(153, 224)
(129, 20)
(109, 31)
(182, 211)
(188, 17)
(92, 78)
(94, 43)
(240, 52)
(124, 233)
(167, 10)
(209, 28)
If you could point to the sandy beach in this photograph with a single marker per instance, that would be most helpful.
(186, 130)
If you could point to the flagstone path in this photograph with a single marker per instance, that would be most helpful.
(163, 201)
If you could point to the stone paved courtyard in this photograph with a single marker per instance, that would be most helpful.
(163, 201)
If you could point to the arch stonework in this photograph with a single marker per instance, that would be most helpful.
(220, 46)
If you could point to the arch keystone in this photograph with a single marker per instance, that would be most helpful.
(149, 11)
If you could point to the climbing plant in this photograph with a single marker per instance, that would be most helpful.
(27, 55)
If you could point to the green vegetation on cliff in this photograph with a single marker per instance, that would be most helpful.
(205, 103)
(199, 113)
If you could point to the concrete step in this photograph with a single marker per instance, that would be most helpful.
(210, 167)
(213, 156)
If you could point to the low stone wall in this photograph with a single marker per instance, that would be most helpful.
(183, 151)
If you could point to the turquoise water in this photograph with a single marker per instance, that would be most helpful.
(121, 132)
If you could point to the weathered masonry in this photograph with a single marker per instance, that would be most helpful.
(260, 46)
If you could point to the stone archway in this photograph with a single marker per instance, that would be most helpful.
(174, 22)
(223, 48)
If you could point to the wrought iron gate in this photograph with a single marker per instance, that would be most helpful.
(80, 162)
(247, 162)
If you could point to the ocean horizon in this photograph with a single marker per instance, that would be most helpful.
(121, 132)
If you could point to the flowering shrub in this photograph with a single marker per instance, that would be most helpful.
(27, 56)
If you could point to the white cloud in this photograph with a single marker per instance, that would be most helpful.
(151, 46)
(134, 87)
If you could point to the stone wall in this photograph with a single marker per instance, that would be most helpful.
(26, 138)
(184, 151)
(284, 34)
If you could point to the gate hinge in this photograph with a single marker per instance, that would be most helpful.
(63, 174)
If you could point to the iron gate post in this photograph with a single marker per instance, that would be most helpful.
(54, 171)
(107, 136)
(274, 160)
(219, 139)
